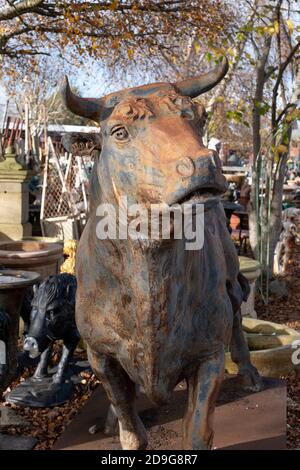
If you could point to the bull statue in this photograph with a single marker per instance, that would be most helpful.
(152, 312)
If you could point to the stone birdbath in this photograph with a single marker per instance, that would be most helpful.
(274, 348)
(12, 287)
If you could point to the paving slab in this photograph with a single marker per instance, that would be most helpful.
(16, 442)
(243, 420)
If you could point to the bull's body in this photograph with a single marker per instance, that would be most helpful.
(152, 312)
(158, 312)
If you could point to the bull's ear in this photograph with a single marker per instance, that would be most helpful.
(194, 87)
(90, 108)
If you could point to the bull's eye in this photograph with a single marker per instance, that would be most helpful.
(120, 133)
(187, 113)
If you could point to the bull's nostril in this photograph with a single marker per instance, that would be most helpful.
(185, 167)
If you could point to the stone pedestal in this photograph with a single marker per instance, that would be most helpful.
(250, 268)
(14, 199)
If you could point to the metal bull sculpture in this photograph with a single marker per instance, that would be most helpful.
(153, 313)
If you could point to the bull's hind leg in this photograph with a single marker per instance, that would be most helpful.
(121, 393)
(239, 351)
(203, 388)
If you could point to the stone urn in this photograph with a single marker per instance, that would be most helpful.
(250, 268)
(28, 255)
(12, 286)
(274, 348)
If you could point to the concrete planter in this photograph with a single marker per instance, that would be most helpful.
(271, 346)
(12, 286)
(250, 268)
(14, 198)
(27, 255)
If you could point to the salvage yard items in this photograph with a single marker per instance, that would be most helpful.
(64, 200)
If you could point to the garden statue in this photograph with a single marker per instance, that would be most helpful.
(52, 318)
(153, 311)
(287, 247)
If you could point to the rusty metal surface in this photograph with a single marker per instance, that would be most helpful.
(153, 313)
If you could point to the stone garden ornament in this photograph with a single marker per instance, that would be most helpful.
(152, 311)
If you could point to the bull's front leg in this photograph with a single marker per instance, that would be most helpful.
(69, 347)
(239, 350)
(203, 388)
(42, 368)
(121, 393)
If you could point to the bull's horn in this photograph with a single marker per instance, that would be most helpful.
(194, 87)
(89, 108)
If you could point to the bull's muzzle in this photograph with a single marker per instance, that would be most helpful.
(31, 345)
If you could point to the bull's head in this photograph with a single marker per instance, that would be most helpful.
(152, 149)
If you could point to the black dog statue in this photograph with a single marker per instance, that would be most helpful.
(52, 318)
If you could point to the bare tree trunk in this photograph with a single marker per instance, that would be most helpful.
(256, 126)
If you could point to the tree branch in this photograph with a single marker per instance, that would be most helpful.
(19, 8)
(281, 71)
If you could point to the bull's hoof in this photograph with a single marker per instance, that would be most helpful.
(134, 440)
(250, 379)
